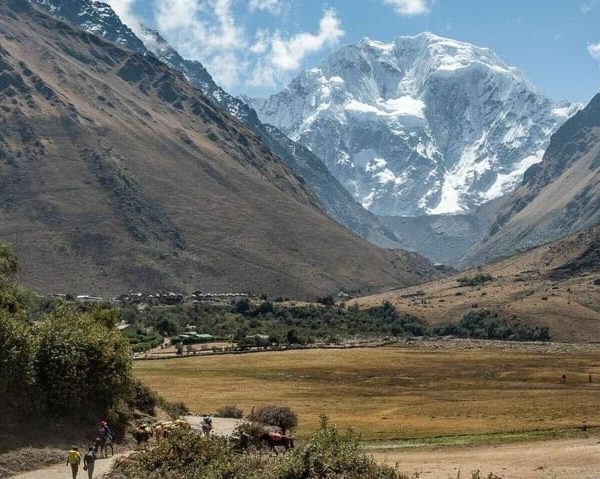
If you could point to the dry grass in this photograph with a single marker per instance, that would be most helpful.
(522, 286)
(396, 392)
(29, 459)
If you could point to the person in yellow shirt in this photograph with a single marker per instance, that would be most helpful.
(73, 460)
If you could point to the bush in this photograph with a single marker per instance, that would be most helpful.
(174, 409)
(185, 454)
(308, 322)
(8, 262)
(400, 325)
(326, 300)
(292, 337)
(253, 429)
(167, 327)
(65, 365)
(326, 454)
(278, 416)
(485, 324)
(144, 398)
(13, 298)
(230, 411)
(265, 307)
(330, 454)
(140, 341)
(479, 278)
(242, 306)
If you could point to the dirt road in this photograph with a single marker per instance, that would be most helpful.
(61, 471)
(221, 426)
(562, 459)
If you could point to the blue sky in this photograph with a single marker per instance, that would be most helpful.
(255, 47)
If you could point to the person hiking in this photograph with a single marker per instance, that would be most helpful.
(105, 432)
(73, 460)
(89, 460)
(206, 425)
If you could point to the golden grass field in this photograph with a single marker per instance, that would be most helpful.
(439, 389)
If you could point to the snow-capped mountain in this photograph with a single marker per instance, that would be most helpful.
(421, 125)
(100, 19)
(93, 17)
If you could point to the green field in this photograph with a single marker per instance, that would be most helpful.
(397, 392)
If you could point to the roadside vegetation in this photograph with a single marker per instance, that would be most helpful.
(327, 453)
(281, 417)
(61, 370)
(230, 411)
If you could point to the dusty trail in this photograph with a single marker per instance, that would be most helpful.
(562, 459)
(61, 471)
(221, 427)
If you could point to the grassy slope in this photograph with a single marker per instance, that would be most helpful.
(571, 308)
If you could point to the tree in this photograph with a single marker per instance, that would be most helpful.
(278, 416)
(265, 307)
(293, 337)
(12, 298)
(326, 300)
(242, 306)
(8, 262)
(16, 363)
(81, 364)
(144, 398)
(167, 327)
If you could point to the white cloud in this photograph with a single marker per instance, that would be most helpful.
(205, 30)
(282, 55)
(594, 51)
(272, 6)
(409, 7)
(588, 6)
(287, 54)
(124, 9)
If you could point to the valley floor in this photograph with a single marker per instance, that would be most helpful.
(560, 459)
(420, 390)
(61, 471)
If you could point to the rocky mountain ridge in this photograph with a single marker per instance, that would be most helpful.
(422, 125)
(116, 174)
(558, 197)
(99, 18)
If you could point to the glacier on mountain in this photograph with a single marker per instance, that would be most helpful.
(422, 125)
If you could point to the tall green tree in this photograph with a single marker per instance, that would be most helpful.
(82, 363)
(17, 349)
(12, 297)
(9, 265)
